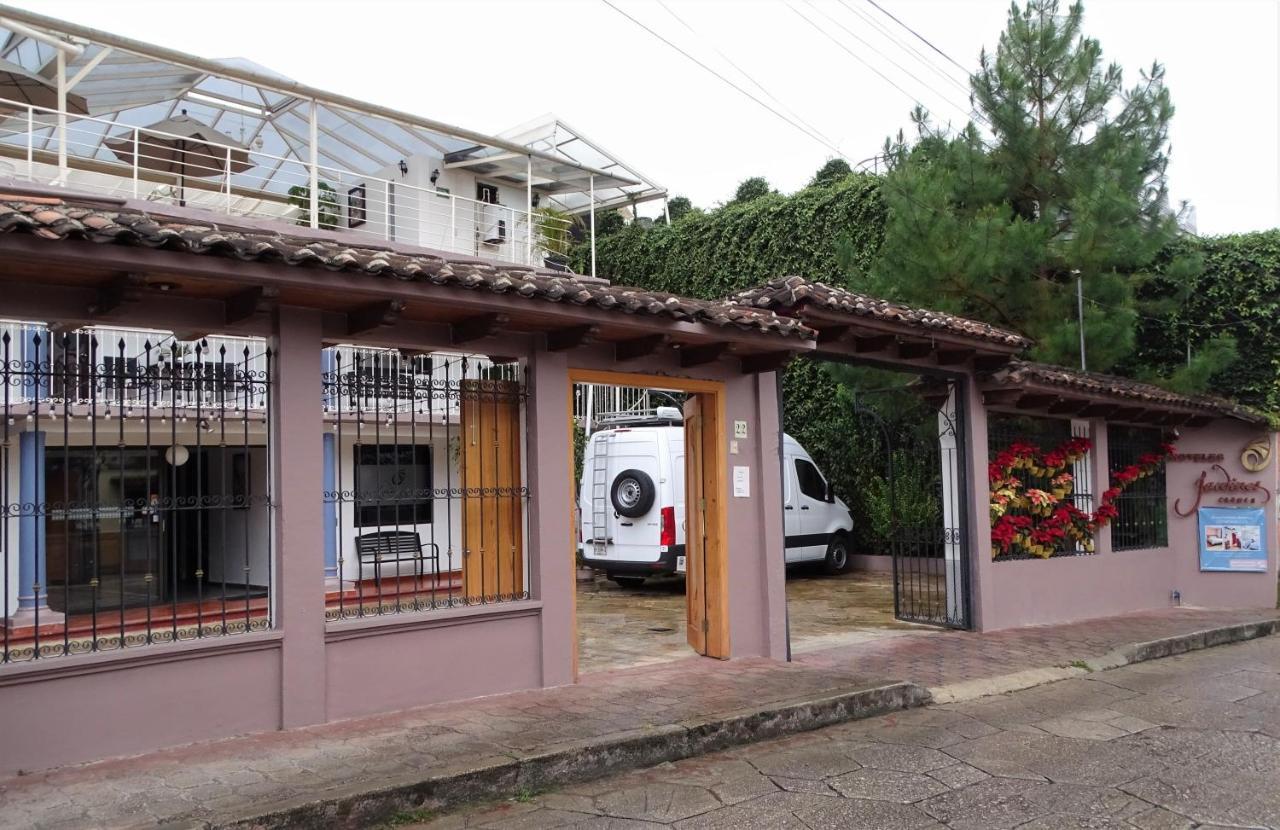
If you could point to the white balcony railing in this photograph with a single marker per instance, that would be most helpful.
(246, 182)
(128, 368)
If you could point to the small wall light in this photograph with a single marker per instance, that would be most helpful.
(537, 197)
(435, 175)
(404, 167)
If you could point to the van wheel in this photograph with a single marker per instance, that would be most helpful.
(632, 493)
(628, 582)
(837, 561)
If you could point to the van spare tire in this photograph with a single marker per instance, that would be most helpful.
(632, 493)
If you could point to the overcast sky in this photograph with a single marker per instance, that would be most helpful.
(489, 65)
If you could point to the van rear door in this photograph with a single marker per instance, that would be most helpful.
(635, 538)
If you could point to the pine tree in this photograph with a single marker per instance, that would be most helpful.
(1064, 180)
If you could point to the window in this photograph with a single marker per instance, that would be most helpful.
(393, 485)
(1143, 520)
(487, 193)
(811, 482)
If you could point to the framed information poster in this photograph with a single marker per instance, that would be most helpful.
(1233, 539)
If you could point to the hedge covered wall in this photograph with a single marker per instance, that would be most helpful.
(1238, 293)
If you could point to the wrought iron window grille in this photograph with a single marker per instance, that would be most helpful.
(127, 519)
(425, 490)
(1142, 519)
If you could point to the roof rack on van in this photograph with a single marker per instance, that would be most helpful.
(656, 417)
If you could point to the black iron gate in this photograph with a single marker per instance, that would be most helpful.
(915, 499)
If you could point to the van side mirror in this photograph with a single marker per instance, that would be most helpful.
(830, 495)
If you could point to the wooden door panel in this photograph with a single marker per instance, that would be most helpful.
(493, 515)
(695, 527)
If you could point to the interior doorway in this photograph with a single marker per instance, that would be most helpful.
(649, 519)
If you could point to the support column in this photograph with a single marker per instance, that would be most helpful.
(298, 424)
(951, 506)
(1100, 470)
(33, 577)
(330, 510)
(313, 164)
(977, 490)
(551, 548)
(592, 179)
(61, 80)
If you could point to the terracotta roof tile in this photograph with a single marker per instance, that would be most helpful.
(100, 222)
(1023, 373)
(786, 294)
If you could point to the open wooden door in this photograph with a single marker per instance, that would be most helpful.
(695, 535)
(492, 508)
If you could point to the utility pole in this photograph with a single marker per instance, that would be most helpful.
(1084, 366)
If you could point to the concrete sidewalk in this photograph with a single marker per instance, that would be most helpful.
(357, 772)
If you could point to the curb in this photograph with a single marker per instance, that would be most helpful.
(1133, 653)
(576, 761)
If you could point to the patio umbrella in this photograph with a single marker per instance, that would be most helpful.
(184, 146)
(17, 84)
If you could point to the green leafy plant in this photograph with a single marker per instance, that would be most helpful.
(552, 228)
(329, 213)
(911, 501)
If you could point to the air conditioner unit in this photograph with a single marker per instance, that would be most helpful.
(493, 230)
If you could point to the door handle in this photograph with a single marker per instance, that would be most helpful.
(805, 507)
(789, 507)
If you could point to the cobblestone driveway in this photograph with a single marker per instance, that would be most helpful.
(1177, 743)
(622, 627)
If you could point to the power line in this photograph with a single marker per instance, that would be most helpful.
(855, 55)
(735, 86)
(906, 47)
(743, 72)
(921, 37)
(943, 96)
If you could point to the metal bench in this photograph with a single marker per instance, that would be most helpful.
(396, 546)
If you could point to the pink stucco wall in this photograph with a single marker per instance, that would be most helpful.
(83, 708)
(467, 653)
(1030, 592)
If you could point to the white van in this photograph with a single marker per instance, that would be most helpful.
(631, 503)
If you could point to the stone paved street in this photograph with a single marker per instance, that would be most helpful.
(208, 784)
(1188, 741)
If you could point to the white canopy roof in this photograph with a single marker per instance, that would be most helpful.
(135, 84)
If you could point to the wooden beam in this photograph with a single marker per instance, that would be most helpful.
(915, 349)
(990, 363)
(115, 293)
(1098, 410)
(1036, 401)
(243, 305)
(374, 316)
(831, 334)
(477, 327)
(1067, 406)
(639, 346)
(1001, 397)
(951, 357)
(1173, 419)
(572, 337)
(878, 343)
(1127, 413)
(700, 355)
(754, 364)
